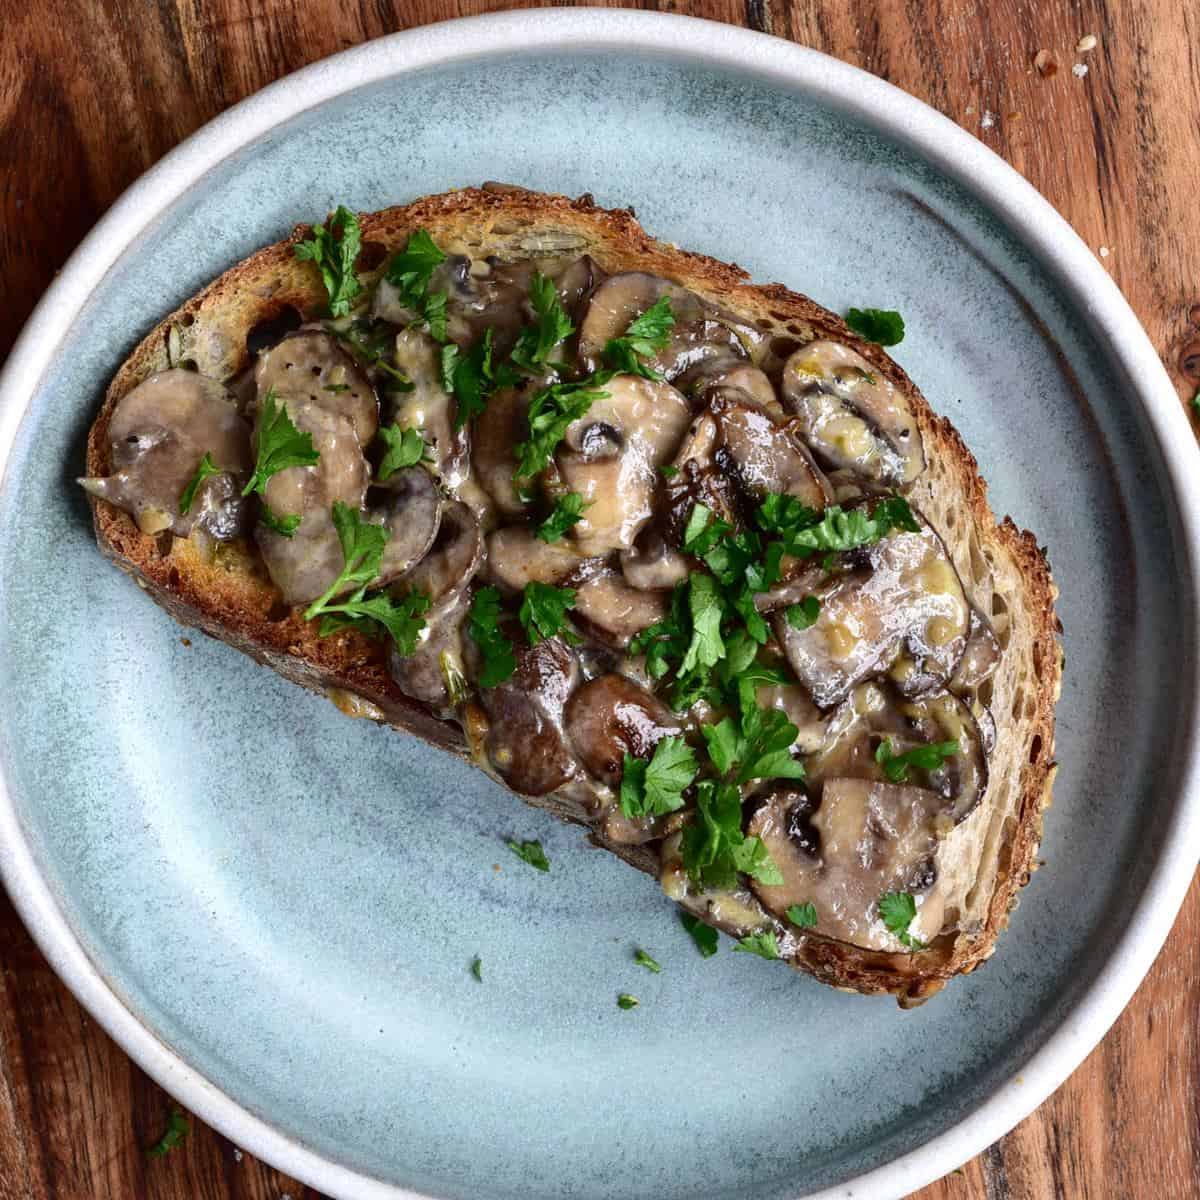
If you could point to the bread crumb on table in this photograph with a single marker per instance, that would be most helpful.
(1104, 252)
(987, 120)
(1043, 60)
(1079, 70)
(1086, 43)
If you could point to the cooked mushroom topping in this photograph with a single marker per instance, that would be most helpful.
(980, 657)
(158, 435)
(699, 333)
(611, 456)
(851, 415)
(516, 556)
(312, 366)
(904, 595)
(615, 611)
(482, 295)
(501, 427)
(863, 840)
(429, 408)
(576, 283)
(411, 509)
(653, 565)
(732, 373)
(425, 674)
(525, 742)
(453, 559)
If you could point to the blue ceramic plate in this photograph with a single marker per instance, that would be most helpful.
(275, 908)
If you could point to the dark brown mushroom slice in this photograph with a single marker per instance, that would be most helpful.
(158, 434)
(851, 415)
(901, 596)
(731, 373)
(863, 839)
(429, 407)
(453, 559)
(501, 426)
(425, 674)
(610, 456)
(576, 282)
(981, 655)
(526, 743)
(517, 556)
(410, 508)
(652, 564)
(615, 612)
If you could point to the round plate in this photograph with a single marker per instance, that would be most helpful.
(274, 909)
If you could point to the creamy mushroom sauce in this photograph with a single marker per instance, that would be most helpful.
(895, 644)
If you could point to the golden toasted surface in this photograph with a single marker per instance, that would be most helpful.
(1008, 577)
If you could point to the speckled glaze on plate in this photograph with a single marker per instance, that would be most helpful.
(274, 908)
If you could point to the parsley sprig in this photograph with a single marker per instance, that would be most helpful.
(643, 339)
(899, 911)
(568, 512)
(655, 787)
(405, 448)
(531, 853)
(177, 1129)
(705, 936)
(763, 944)
(280, 445)
(496, 649)
(537, 342)
(884, 326)
(927, 758)
(473, 376)
(543, 612)
(334, 248)
(803, 916)
(410, 272)
(205, 470)
(551, 411)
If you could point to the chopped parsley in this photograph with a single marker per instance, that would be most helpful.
(477, 968)
(805, 532)
(763, 944)
(642, 959)
(568, 512)
(655, 787)
(363, 543)
(803, 615)
(706, 646)
(472, 377)
(280, 445)
(883, 326)
(499, 661)
(705, 936)
(803, 916)
(410, 272)
(928, 758)
(334, 250)
(405, 448)
(177, 1129)
(205, 470)
(626, 1001)
(550, 412)
(899, 910)
(758, 748)
(535, 344)
(531, 853)
(369, 341)
(285, 526)
(667, 471)
(644, 338)
(714, 847)
(544, 612)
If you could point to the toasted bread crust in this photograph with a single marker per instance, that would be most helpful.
(230, 597)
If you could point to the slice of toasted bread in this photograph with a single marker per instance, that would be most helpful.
(228, 594)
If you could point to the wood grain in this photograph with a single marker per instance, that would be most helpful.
(92, 92)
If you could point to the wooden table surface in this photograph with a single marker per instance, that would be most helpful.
(92, 92)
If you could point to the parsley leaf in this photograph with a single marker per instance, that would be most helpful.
(664, 642)
(499, 662)
(530, 852)
(763, 944)
(550, 412)
(626, 1001)
(883, 326)
(334, 256)
(177, 1129)
(655, 787)
(644, 338)
(927, 758)
(899, 910)
(642, 959)
(280, 445)
(804, 614)
(477, 968)
(474, 376)
(705, 936)
(410, 271)
(369, 342)
(706, 647)
(714, 847)
(837, 529)
(535, 343)
(405, 448)
(568, 512)
(205, 470)
(544, 612)
(803, 916)
(285, 526)
(756, 750)
(362, 550)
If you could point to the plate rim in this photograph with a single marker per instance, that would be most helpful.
(839, 85)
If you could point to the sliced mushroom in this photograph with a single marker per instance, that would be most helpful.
(902, 594)
(526, 742)
(652, 564)
(158, 435)
(980, 657)
(311, 365)
(411, 510)
(863, 840)
(699, 332)
(498, 429)
(517, 556)
(611, 456)
(426, 674)
(453, 559)
(731, 373)
(575, 283)
(613, 610)
(851, 415)
(429, 407)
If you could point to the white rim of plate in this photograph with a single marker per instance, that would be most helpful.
(838, 85)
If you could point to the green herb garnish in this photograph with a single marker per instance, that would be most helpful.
(714, 847)
(568, 512)
(763, 944)
(642, 959)
(177, 1129)
(410, 272)
(803, 615)
(551, 411)
(334, 250)
(928, 758)
(654, 787)
(899, 910)
(883, 326)
(803, 916)
(644, 338)
(531, 853)
(205, 470)
(544, 612)
(477, 968)
(499, 662)
(757, 748)
(626, 1001)
(280, 445)
(535, 344)
(472, 377)
(705, 936)
(285, 526)
(405, 448)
